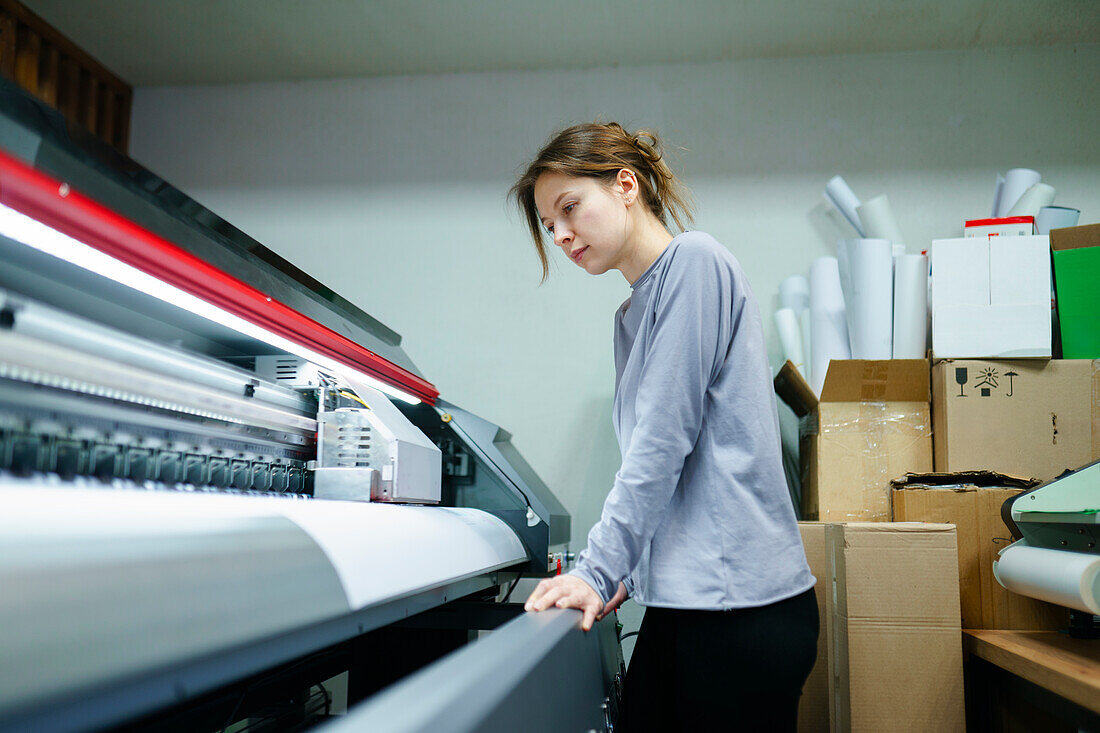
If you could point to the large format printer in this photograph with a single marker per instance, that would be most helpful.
(223, 486)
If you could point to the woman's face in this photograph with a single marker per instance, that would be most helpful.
(587, 219)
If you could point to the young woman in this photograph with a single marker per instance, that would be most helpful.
(698, 526)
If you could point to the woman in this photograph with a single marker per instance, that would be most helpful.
(698, 526)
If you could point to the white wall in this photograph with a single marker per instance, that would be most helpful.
(391, 191)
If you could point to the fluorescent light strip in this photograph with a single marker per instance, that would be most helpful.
(33, 233)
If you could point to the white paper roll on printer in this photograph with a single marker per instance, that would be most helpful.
(1056, 557)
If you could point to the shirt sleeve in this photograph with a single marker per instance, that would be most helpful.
(686, 346)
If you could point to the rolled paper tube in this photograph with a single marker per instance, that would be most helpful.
(1017, 181)
(998, 191)
(841, 196)
(1062, 577)
(790, 337)
(878, 220)
(1055, 217)
(807, 329)
(829, 331)
(794, 293)
(866, 271)
(910, 306)
(1034, 198)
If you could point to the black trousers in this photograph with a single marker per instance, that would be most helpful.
(739, 670)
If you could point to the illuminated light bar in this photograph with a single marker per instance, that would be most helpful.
(46, 215)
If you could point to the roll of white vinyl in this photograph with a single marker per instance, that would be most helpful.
(829, 329)
(998, 190)
(1034, 198)
(1017, 181)
(1070, 579)
(878, 220)
(1055, 217)
(866, 272)
(807, 330)
(790, 338)
(844, 199)
(794, 293)
(910, 306)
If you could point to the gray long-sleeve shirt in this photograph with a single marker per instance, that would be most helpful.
(699, 515)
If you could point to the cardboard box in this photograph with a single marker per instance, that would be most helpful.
(895, 643)
(871, 424)
(1076, 255)
(972, 502)
(1023, 418)
(813, 706)
(1005, 226)
(991, 297)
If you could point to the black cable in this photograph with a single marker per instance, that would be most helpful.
(511, 588)
(328, 699)
(624, 637)
(233, 714)
(267, 677)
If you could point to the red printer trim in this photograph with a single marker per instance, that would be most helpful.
(53, 203)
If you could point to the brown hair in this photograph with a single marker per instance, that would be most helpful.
(600, 150)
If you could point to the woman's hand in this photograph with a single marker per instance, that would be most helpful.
(615, 602)
(567, 591)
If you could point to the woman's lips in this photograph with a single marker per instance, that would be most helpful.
(578, 254)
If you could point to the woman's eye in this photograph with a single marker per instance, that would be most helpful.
(568, 208)
(549, 230)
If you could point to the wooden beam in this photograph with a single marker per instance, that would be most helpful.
(89, 100)
(46, 63)
(24, 16)
(27, 47)
(49, 74)
(106, 114)
(68, 92)
(121, 139)
(7, 44)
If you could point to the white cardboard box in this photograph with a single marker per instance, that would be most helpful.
(991, 297)
(1002, 227)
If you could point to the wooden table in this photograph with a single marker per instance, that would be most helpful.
(1058, 668)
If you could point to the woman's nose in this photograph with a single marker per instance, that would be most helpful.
(562, 236)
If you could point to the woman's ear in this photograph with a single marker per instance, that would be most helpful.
(627, 183)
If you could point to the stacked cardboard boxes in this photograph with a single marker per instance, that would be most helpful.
(891, 653)
(813, 706)
(871, 424)
(1030, 418)
(972, 502)
(1076, 255)
(991, 297)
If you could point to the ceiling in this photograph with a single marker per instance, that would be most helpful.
(168, 42)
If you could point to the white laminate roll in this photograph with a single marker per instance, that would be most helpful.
(1070, 579)
(1034, 199)
(804, 321)
(840, 195)
(910, 306)
(829, 329)
(998, 191)
(794, 293)
(1055, 217)
(1016, 182)
(866, 272)
(790, 338)
(878, 220)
